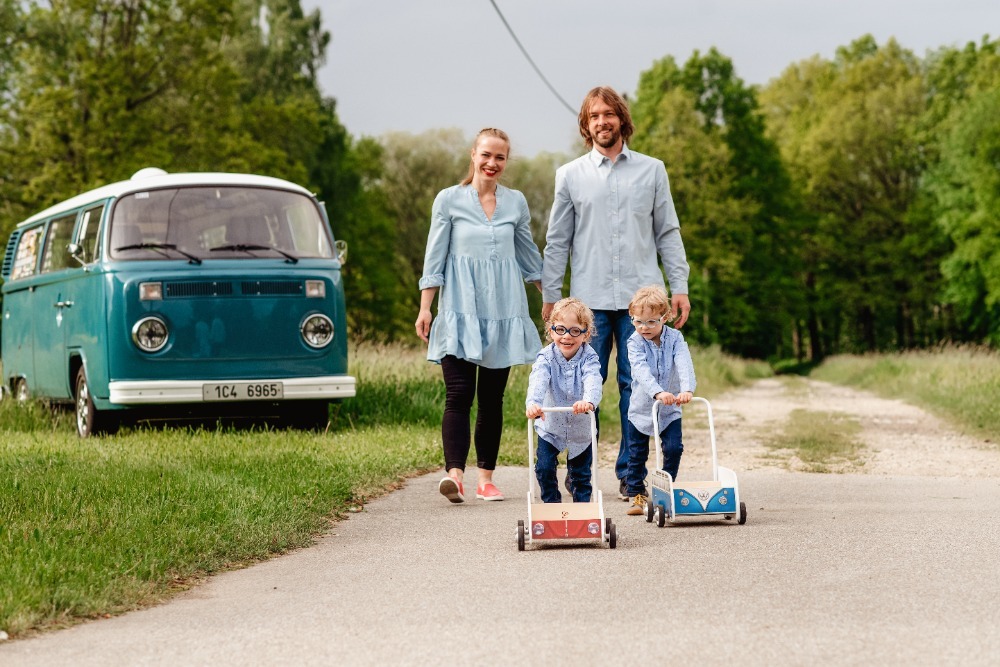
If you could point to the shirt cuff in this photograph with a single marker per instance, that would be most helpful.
(533, 278)
(680, 287)
(549, 296)
(435, 280)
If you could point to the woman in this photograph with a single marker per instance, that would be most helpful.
(479, 249)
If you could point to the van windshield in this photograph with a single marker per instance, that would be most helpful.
(214, 222)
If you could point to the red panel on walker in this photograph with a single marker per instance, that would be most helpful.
(567, 528)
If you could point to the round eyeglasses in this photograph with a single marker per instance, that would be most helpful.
(572, 331)
(646, 324)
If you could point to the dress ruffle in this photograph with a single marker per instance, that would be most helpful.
(483, 314)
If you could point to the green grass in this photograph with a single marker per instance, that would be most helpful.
(823, 441)
(100, 526)
(959, 384)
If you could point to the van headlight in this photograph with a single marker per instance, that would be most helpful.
(150, 334)
(317, 331)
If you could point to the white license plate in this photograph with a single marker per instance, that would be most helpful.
(242, 391)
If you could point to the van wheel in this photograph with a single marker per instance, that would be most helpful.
(306, 415)
(21, 393)
(89, 420)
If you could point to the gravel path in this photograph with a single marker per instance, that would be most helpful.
(899, 439)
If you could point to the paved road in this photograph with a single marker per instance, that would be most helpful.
(829, 569)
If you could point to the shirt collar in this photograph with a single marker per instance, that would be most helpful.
(558, 355)
(597, 158)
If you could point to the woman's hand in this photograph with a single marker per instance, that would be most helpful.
(423, 323)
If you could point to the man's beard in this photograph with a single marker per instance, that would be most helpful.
(612, 139)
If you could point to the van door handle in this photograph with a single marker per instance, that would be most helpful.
(63, 304)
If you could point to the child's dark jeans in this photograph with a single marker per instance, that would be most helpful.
(578, 471)
(670, 444)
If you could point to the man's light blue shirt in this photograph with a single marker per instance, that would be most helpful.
(611, 220)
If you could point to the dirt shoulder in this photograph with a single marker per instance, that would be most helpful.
(897, 438)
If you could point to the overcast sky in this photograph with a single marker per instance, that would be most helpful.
(413, 65)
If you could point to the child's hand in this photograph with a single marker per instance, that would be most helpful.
(666, 398)
(684, 397)
(580, 407)
(535, 412)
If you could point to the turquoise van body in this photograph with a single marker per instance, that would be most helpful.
(178, 294)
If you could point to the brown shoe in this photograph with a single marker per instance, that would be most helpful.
(638, 506)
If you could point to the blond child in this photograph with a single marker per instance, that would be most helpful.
(566, 373)
(662, 372)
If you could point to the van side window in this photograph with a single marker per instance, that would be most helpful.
(57, 244)
(26, 259)
(90, 225)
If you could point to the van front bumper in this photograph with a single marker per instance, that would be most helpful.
(156, 392)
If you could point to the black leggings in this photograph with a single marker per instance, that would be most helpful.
(460, 389)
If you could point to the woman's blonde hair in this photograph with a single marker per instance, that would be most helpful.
(485, 132)
(653, 297)
(584, 315)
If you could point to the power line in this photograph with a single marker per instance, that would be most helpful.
(530, 61)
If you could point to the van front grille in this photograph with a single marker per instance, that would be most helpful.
(272, 287)
(224, 288)
(199, 289)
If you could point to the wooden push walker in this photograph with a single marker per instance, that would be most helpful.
(562, 521)
(670, 500)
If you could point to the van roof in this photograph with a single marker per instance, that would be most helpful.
(154, 179)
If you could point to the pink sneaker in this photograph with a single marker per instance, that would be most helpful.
(452, 489)
(488, 492)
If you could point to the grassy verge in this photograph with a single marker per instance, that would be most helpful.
(96, 527)
(958, 384)
(822, 441)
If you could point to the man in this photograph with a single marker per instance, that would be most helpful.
(612, 215)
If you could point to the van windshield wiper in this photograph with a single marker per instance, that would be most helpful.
(242, 247)
(160, 246)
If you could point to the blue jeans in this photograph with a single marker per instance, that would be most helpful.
(616, 325)
(578, 471)
(672, 447)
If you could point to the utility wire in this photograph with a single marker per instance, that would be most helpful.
(530, 61)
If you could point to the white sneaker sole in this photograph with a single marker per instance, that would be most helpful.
(490, 499)
(450, 489)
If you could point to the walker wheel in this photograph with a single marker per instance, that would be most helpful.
(650, 506)
(612, 536)
(660, 516)
(743, 513)
(520, 535)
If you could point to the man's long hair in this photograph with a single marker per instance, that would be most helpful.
(613, 100)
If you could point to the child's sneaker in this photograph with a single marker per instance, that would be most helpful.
(638, 506)
(622, 490)
(452, 489)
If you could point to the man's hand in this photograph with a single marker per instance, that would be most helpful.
(681, 306)
(547, 311)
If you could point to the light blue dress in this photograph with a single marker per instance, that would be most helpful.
(481, 265)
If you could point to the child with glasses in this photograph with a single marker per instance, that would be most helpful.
(566, 373)
(662, 372)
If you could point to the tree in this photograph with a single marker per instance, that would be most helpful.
(732, 193)
(960, 190)
(848, 130)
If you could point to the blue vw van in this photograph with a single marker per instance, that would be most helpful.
(171, 295)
